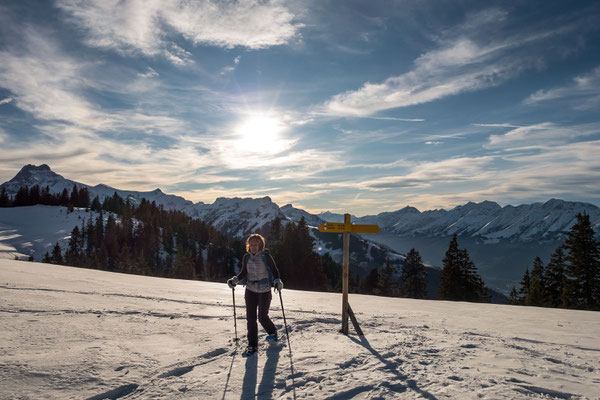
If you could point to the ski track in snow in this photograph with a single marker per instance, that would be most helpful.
(75, 333)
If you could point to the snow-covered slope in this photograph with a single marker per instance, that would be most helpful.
(295, 214)
(33, 231)
(70, 333)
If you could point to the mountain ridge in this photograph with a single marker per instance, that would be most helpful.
(487, 220)
(503, 241)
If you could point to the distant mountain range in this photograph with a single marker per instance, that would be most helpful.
(502, 240)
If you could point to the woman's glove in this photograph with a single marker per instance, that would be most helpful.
(231, 282)
(278, 284)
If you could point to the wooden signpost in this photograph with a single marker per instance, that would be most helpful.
(346, 228)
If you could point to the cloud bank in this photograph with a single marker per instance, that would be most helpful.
(152, 27)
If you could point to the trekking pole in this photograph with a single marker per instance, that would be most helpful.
(284, 321)
(234, 316)
(289, 345)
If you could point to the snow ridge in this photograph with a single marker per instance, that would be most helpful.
(488, 221)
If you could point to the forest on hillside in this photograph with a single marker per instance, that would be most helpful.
(146, 239)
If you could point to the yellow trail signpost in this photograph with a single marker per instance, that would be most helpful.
(346, 228)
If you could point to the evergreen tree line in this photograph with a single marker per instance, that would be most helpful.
(26, 196)
(571, 279)
(299, 265)
(148, 240)
(302, 268)
(459, 280)
(412, 281)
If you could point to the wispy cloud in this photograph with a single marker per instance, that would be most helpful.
(230, 68)
(147, 27)
(462, 63)
(42, 82)
(528, 163)
(150, 73)
(51, 86)
(569, 172)
(542, 135)
(582, 93)
(503, 125)
(6, 101)
(397, 119)
(427, 174)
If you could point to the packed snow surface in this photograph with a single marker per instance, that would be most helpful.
(69, 333)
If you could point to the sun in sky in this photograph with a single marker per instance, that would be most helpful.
(260, 133)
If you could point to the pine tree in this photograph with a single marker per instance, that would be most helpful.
(90, 239)
(582, 289)
(35, 195)
(370, 284)
(535, 295)
(93, 232)
(124, 260)
(459, 279)
(333, 271)
(46, 259)
(553, 279)
(63, 200)
(473, 287)
(386, 279)
(96, 206)
(74, 199)
(413, 279)
(73, 253)
(22, 197)
(450, 276)
(275, 231)
(110, 242)
(56, 257)
(524, 289)
(47, 198)
(4, 199)
(513, 298)
(183, 265)
(83, 198)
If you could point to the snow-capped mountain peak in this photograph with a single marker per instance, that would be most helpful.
(31, 175)
(43, 176)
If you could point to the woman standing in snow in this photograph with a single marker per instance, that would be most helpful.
(260, 273)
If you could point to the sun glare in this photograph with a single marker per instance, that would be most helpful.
(260, 134)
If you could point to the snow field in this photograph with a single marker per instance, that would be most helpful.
(34, 230)
(74, 333)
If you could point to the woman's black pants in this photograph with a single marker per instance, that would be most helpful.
(260, 301)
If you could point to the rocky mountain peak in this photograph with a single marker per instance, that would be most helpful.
(29, 172)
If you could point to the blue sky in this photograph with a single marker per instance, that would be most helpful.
(347, 106)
